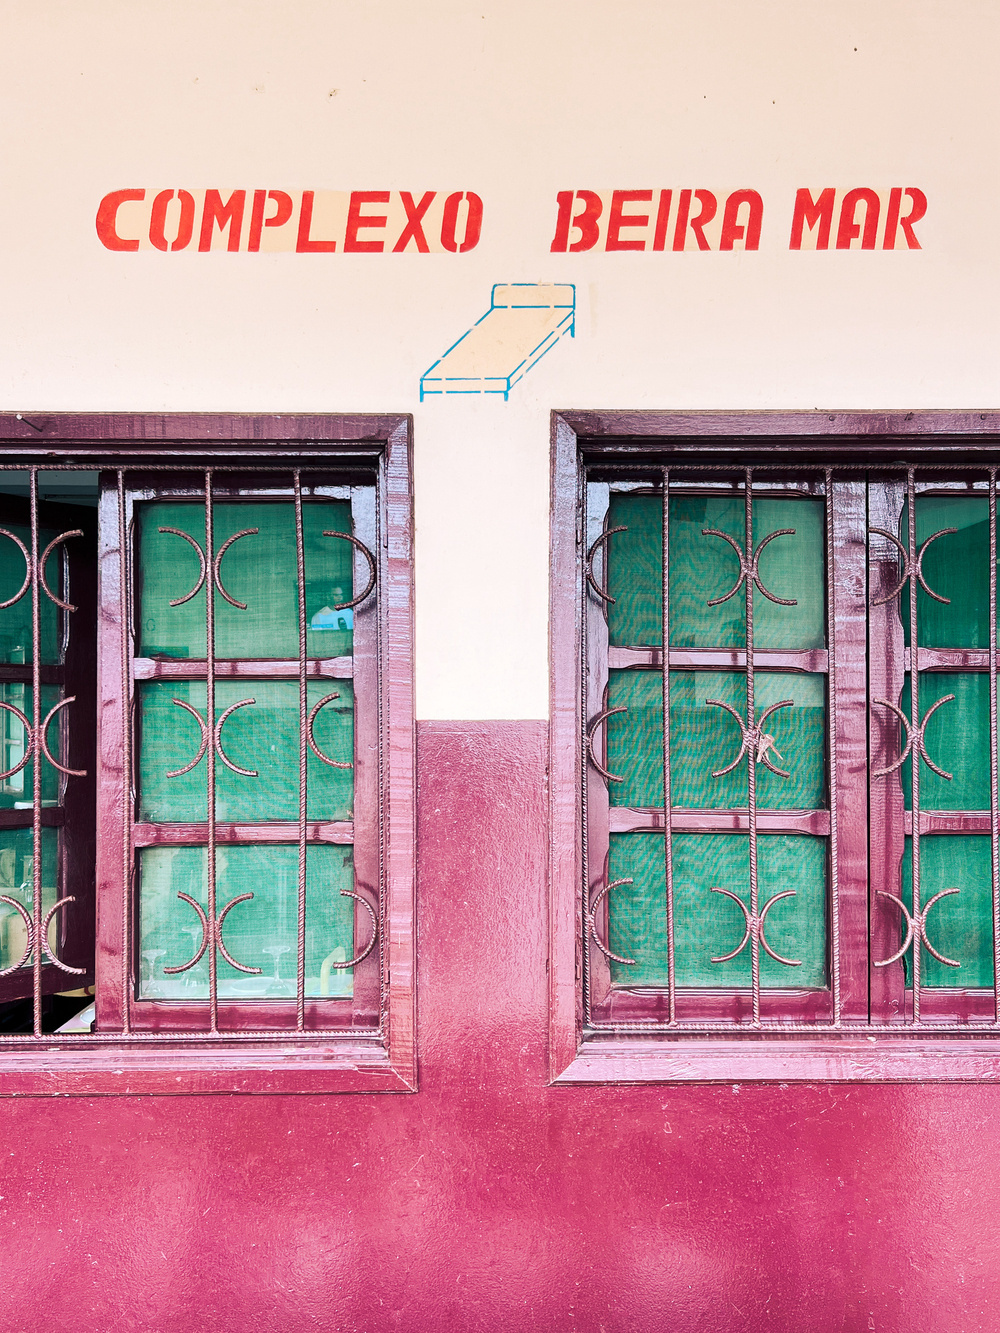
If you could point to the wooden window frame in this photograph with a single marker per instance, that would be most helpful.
(848, 1050)
(145, 1060)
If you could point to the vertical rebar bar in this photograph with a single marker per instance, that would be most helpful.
(36, 767)
(213, 959)
(752, 758)
(994, 783)
(126, 756)
(300, 984)
(831, 638)
(911, 565)
(668, 868)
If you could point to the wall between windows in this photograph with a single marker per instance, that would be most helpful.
(515, 102)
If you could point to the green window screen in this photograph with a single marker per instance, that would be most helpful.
(17, 790)
(961, 925)
(262, 736)
(705, 738)
(259, 569)
(956, 566)
(15, 621)
(262, 932)
(957, 739)
(708, 924)
(16, 879)
(703, 568)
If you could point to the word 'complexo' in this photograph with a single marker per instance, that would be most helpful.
(690, 219)
(303, 222)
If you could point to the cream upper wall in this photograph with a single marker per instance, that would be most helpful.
(515, 101)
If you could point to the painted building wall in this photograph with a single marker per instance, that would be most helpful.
(487, 1200)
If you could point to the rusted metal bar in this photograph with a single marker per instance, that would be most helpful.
(304, 733)
(126, 698)
(994, 779)
(910, 567)
(754, 918)
(831, 724)
(36, 786)
(213, 961)
(668, 865)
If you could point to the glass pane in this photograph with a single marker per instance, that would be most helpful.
(708, 924)
(957, 739)
(17, 790)
(961, 925)
(16, 873)
(263, 736)
(956, 566)
(15, 621)
(705, 567)
(705, 738)
(259, 569)
(262, 932)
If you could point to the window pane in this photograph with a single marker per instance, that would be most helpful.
(16, 876)
(705, 738)
(259, 569)
(15, 621)
(260, 933)
(705, 567)
(263, 736)
(961, 925)
(708, 924)
(957, 739)
(956, 566)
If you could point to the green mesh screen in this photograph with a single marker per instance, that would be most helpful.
(259, 933)
(258, 569)
(702, 568)
(262, 736)
(16, 875)
(961, 925)
(17, 790)
(956, 566)
(708, 924)
(15, 621)
(705, 738)
(957, 739)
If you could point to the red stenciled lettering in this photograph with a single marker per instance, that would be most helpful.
(414, 217)
(158, 218)
(849, 227)
(915, 214)
(564, 204)
(258, 218)
(586, 221)
(809, 213)
(892, 218)
(304, 245)
(681, 224)
(228, 214)
(662, 217)
(618, 219)
(357, 221)
(709, 207)
(107, 219)
(473, 223)
(749, 232)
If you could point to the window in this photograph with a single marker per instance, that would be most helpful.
(824, 899)
(206, 658)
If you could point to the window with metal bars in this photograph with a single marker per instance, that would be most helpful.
(787, 792)
(229, 820)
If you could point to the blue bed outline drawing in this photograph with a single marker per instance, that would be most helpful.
(528, 319)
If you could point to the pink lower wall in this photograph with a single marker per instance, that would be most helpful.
(488, 1201)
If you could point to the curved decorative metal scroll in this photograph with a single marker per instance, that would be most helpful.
(592, 922)
(913, 740)
(216, 566)
(208, 932)
(916, 924)
(334, 763)
(31, 742)
(904, 557)
(27, 569)
(56, 541)
(372, 569)
(217, 740)
(762, 743)
(749, 566)
(360, 957)
(602, 593)
(602, 717)
(179, 601)
(29, 926)
(755, 927)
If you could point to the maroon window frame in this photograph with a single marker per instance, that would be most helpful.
(866, 1025)
(360, 1044)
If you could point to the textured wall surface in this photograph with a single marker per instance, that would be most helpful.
(487, 1201)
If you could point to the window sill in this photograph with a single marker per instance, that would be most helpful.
(847, 1057)
(151, 1067)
